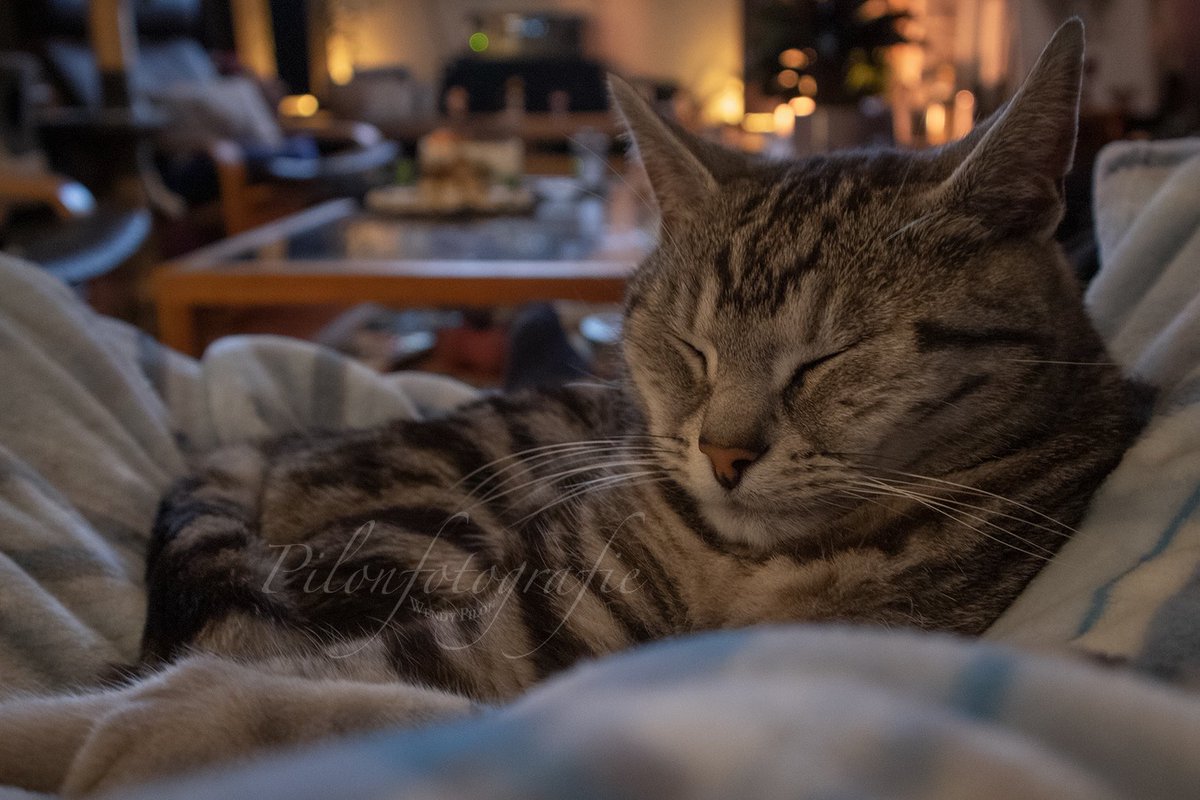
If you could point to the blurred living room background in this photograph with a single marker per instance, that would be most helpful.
(442, 184)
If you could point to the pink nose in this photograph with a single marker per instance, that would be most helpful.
(728, 463)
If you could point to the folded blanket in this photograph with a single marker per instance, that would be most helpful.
(96, 420)
(1128, 584)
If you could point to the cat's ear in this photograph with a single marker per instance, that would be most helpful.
(682, 169)
(1011, 178)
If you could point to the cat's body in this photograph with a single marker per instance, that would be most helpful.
(860, 388)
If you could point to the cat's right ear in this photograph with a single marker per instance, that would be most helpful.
(679, 177)
(1011, 173)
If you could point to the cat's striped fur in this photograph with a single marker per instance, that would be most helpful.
(891, 338)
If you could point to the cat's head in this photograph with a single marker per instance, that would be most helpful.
(890, 309)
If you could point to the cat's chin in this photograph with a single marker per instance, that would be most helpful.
(742, 525)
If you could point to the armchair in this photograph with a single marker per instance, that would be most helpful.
(256, 187)
(235, 150)
(46, 218)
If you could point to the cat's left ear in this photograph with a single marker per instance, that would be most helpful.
(683, 169)
(1011, 181)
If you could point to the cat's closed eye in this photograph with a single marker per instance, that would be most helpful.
(806, 368)
(694, 354)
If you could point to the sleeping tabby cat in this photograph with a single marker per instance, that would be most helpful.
(853, 393)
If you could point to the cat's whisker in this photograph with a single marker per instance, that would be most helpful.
(605, 385)
(872, 238)
(645, 201)
(633, 478)
(547, 460)
(533, 456)
(912, 224)
(866, 498)
(543, 460)
(542, 480)
(1063, 363)
(952, 517)
(825, 501)
(958, 516)
(845, 453)
(880, 503)
(519, 454)
(964, 504)
(594, 485)
(575, 140)
(931, 501)
(924, 480)
(977, 490)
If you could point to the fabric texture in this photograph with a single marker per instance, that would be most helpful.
(814, 713)
(96, 420)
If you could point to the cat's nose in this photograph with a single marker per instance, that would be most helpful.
(728, 463)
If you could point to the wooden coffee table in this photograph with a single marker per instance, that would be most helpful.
(581, 248)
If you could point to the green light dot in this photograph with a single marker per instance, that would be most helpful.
(478, 42)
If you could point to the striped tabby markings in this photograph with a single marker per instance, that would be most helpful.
(939, 336)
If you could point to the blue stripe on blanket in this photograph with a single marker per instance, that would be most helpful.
(1101, 595)
(1172, 647)
(983, 684)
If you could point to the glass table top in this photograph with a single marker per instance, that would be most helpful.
(577, 229)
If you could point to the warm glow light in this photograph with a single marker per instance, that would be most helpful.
(759, 123)
(298, 105)
(478, 42)
(808, 85)
(908, 63)
(793, 59)
(964, 113)
(339, 60)
(727, 105)
(935, 124)
(803, 106)
(784, 119)
(788, 78)
(993, 41)
(341, 73)
(872, 9)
